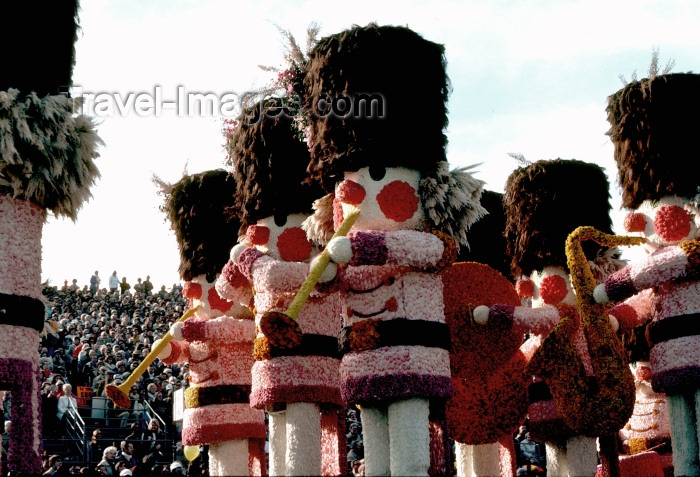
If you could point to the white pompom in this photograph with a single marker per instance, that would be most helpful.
(340, 249)
(165, 352)
(613, 323)
(176, 331)
(481, 314)
(236, 252)
(600, 295)
(328, 273)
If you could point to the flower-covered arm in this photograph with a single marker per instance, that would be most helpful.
(667, 264)
(410, 248)
(176, 351)
(537, 321)
(634, 311)
(233, 285)
(225, 328)
(270, 274)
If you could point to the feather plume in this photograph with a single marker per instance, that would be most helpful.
(47, 152)
(451, 200)
(606, 262)
(319, 225)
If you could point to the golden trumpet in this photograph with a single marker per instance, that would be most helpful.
(119, 395)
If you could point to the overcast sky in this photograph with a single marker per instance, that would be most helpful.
(527, 77)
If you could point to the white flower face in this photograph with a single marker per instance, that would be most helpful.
(665, 222)
(287, 241)
(387, 198)
(552, 286)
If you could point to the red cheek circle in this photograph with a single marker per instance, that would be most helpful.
(258, 234)
(635, 222)
(216, 302)
(293, 245)
(672, 223)
(337, 213)
(398, 201)
(351, 192)
(525, 288)
(643, 373)
(553, 289)
(192, 290)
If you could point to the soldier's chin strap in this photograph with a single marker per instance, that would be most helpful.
(19, 310)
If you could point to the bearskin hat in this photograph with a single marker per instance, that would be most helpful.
(547, 200)
(269, 164)
(653, 123)
(487, 243)
(200, 210)
(375, 95)
(38, 46)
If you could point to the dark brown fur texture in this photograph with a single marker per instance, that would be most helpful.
(544, 202)
(408, 71)
(199, 208)
(269, 165)
(487, 243)
(654, 127)
(38, 45)
(635, 343)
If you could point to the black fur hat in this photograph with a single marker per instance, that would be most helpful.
(654, 123)
(37, 39)
(487, 243)
(407, 76)
(547, 200)
(269, 164)
(200, 211)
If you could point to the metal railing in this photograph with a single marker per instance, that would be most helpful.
(78, 432)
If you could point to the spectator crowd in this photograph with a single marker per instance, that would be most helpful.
(97, 337)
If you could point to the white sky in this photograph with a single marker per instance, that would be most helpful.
(528, 77)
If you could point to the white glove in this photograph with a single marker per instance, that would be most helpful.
(176, 331)
(328, 273)
(600, 295)
(165, 353)
(236, 252)
(481, 314)
(340, 249)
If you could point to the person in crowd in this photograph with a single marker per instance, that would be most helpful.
(124, 286)
(113, 282)
(152, 438)
(147, 286)
(126, 454)
(176, 468)
(49, 411)
(109, 460)
(5, 443)
(94, 283)
(55, 466)
(138, 287)
(95, 448)
(66, 403)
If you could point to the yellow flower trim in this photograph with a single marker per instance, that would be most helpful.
(364, 335)
(638, 445)
(449, 253)
(691, 248)
(261, 349)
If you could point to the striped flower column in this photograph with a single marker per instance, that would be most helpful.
(21, 320)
